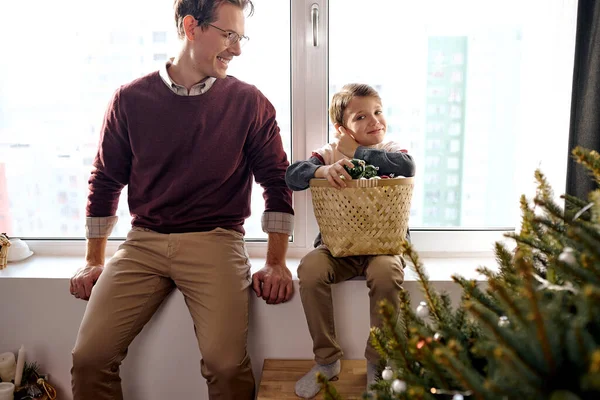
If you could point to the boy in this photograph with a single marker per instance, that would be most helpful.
(356, 113)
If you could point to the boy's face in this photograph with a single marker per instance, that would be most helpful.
(211, 52)
(365, 121)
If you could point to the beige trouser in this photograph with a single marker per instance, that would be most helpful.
(318, 270)
(212, 271)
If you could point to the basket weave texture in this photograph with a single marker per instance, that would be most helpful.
(369, 217)
(4, 245)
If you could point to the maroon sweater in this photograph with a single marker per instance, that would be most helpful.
(188, 160)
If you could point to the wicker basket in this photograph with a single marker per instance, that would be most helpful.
(368, 217)
(4, 245)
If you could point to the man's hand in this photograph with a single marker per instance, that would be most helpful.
(334, 173)
(83, 281)
(273, 283)
(346, 144)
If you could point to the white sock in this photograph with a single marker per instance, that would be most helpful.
(308, 387)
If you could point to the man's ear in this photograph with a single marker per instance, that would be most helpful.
(189, 25)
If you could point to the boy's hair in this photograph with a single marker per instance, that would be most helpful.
(203, 10)
(341, 99)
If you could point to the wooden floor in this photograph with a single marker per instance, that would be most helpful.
(280, 376)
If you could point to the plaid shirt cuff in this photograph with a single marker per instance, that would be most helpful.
(99, 227)
(277, 222)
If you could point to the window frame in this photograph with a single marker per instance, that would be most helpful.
(309, 102)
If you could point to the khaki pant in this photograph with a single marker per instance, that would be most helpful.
(212, 271)
(318, 270)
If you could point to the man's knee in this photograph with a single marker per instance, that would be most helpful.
(226, 370)
(92, 358)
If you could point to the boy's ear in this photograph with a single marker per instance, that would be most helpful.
(341, 130)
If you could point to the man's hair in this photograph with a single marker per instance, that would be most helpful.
(204, 11)
(341, 99)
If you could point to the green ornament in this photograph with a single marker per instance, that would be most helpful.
(358, 170)
(370, 171)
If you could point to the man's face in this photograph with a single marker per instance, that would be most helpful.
(211, 51)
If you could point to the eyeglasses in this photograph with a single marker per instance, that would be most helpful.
(232, 37)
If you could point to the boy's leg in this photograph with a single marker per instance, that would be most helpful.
(385, 275)
(212, 271)
(317, 271)
(130, 289)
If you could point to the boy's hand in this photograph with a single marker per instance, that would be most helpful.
(346, 144)
(334, 173)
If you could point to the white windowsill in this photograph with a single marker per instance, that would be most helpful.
(439, 269)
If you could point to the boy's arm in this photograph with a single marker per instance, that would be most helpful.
(397, 163)
(299, 174)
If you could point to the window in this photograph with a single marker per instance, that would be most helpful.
(159, 37)
(474, 73)
(462, 83)
(48, 140)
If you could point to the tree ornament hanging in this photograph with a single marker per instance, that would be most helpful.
(503, 321)
(387, 374)
(438, 337)
(458, 396)
(399, 386)
(422, 310)
(568, 256)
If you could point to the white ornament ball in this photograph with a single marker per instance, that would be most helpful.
(568, 256)
(458, 396)
(437, 337)
(387, 374)
(399, 386)
(503, 321)
(422, 310)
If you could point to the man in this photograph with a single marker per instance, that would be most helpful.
(187, 141)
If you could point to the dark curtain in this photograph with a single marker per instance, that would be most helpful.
(585, 103)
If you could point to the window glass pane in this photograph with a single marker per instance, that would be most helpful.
(54, 91)
(477, 91)
(265, 63)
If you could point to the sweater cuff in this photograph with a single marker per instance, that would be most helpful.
(99, 227)
(277, 222)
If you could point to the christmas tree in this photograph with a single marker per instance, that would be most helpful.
(532, 331)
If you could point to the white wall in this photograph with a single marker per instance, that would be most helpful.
(163, 361)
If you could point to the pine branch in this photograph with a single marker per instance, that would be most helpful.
(505, 339)
(378, 341)
(589, 159)
(432, 365)
(507, 299)
(431, 297)
(542, 334)
(471, 290)
(329, 391)
(573, 205)
(461, 372)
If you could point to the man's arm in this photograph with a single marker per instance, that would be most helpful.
(110, 174)
(269, 162)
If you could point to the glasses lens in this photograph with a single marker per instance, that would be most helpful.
(243, 41)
